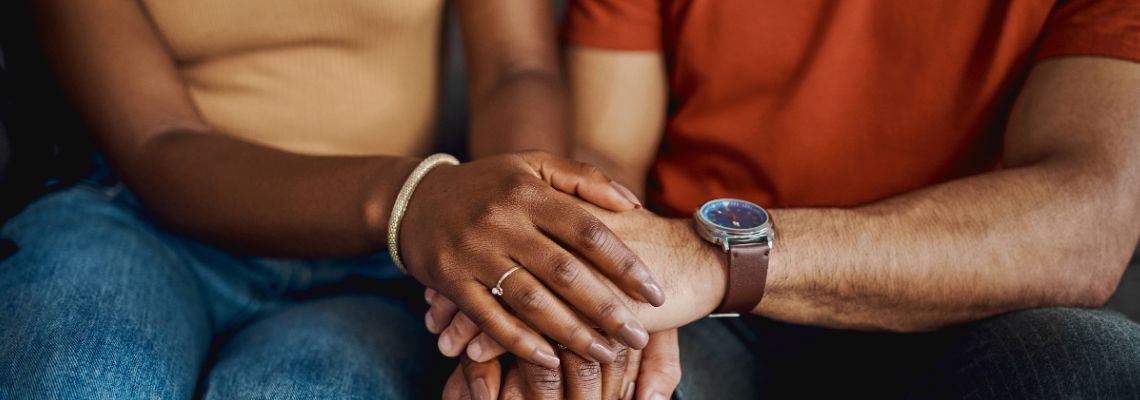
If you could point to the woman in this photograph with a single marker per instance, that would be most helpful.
(298, 130)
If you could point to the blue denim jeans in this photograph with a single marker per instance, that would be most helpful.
(1052, 353)
(100, 303)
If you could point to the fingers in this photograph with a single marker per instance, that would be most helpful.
(575, 283)
(613, 374)
(482, 308)
(582, 180)
(533, 302)
(440, 313)
(454, 340)
(582, 378)
(578, 230)
(456, 388)
(483, 348)
(482, 378)
(514, 387)
(629, 379)
(540, 382)
(660, 366)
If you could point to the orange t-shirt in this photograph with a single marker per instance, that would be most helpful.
(840, 103)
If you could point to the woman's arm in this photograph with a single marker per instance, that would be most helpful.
(465, 225)
(123, 80)
(518, 97)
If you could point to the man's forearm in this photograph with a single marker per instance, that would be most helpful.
(955, 252)
(993, 243)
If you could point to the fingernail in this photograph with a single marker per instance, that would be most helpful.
(601, 353)
(430, 322)
(633, 335)
(475, 351)
(625, 192)
(657, 396)
(445, 345)
(479, 390)
(628, 391)
(545, 359)
(653, 293)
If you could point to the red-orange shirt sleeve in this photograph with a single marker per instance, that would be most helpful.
(614, 24)
(1107, 28)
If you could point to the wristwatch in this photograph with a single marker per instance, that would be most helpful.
(744, 231)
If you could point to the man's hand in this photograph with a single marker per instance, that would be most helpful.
(649, 374)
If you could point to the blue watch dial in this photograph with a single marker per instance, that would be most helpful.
(734, 214)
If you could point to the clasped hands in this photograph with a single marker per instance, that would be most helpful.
(582, 283)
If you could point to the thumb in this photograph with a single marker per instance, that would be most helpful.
(583, 180)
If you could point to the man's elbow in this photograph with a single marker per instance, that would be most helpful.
(1092, 282)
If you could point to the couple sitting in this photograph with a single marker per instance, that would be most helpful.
(944, 186)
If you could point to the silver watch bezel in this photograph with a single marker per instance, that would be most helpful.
(726, 237)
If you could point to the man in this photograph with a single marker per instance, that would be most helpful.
(951, 185)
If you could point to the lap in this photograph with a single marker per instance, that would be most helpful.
(340, 347)
(94, 306)
(97, 302)
(1042, 353)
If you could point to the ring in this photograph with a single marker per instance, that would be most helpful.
(498, 289)
(559, 346)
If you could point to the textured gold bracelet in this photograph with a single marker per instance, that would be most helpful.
(401, 204)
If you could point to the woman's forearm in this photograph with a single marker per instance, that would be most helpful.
(253, 198)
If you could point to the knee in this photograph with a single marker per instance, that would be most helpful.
(351, 347)
(107, 368)
(1077, 352)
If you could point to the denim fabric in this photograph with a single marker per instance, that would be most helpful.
(99, 303)
(1053, 353)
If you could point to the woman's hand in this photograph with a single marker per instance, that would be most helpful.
(467, 225)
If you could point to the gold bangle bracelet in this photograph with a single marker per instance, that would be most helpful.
(401, 204)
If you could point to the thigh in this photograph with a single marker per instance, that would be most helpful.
(94, 304)
(1042, 354)
(351, 346)
(717, 362)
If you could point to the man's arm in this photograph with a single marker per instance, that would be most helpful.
(618, 107)
(518, 97)
(1054, 227)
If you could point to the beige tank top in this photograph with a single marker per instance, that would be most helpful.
(311, 76)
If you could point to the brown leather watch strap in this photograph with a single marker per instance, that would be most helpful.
(747, 273)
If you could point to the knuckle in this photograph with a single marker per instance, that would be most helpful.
(607, 311)
(484, 319)
(566, 271)
(577, 335)
(522, 188)
(630, 267)
(623, 356)
(546, 380)
(531, 300)
(592, 235)
(590, 170)
(589, 374)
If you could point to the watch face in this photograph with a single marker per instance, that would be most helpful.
(734, 214)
